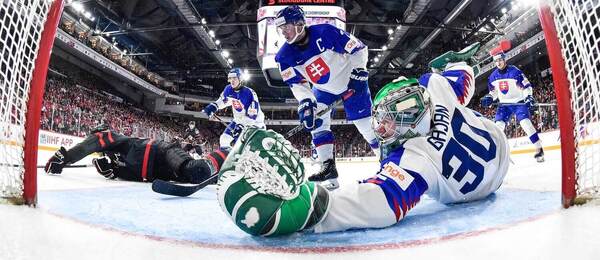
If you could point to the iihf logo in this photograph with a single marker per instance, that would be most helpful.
(318, 71)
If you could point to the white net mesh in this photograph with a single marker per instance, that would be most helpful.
(578, 27)
(21, 25)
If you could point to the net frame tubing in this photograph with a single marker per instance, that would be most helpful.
(34, 104)
(563, 100)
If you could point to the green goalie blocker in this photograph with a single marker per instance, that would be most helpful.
(262, 189)
(466, 55)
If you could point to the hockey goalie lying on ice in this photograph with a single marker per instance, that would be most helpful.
(430, 143)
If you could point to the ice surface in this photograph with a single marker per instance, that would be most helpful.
(83, 216)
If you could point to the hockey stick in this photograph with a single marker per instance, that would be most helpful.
(299, 128)
(42, 166)
(72, 166)
(174, 189)
(217, 118)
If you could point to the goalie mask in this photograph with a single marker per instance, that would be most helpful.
(401, 110)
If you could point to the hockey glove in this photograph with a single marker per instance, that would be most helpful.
(487, 100)
(307, 113)
(57, 162)
(359, 80)
(210, 109)
(530, 102)
(237, 130)
(104, 167)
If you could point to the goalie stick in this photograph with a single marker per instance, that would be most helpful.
(174, 189)
(299, 128)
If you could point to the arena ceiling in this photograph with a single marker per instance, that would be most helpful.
(160, 34)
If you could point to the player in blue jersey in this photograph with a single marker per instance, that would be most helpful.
(244, 104)
(511, 90)
(431, 144)
(332, 61)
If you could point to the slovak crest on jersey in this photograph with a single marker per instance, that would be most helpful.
(317, 70)
(503, 86)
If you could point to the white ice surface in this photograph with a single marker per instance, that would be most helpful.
(32, 233)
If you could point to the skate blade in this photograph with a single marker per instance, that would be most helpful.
(540, 159)
(330, 184)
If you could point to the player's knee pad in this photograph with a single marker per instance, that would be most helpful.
(322, 137)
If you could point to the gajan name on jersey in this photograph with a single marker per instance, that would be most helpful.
(441, 124)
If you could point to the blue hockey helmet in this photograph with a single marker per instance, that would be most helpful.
(235, 73)
(499, 56)
(292, 14)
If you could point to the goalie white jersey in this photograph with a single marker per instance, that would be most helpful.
(464, 158)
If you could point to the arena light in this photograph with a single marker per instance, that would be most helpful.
(384, 47)
(217, 42)
(376, 59)
(225, 53)
(246, 75)
(230, 61)
(77, 6)
(203, 21)
(503, 10)
(390, 31)
(526, 3)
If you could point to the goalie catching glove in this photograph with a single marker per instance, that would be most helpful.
(262, 189)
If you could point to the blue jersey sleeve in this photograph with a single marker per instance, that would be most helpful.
(224, 97)
(521, 79)
(249, 100)
(339, 40)
(403, 188)
(286, 66)
(491, 79)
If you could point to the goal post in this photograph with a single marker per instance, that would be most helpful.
(27, 31)
(572, 35)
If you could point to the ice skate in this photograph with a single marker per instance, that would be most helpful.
(327, 175)
(539, 156)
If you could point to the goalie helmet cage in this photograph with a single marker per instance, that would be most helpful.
(572, 34)
(27, 31)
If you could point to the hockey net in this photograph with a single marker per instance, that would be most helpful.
(27, 30)
(572, 32)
